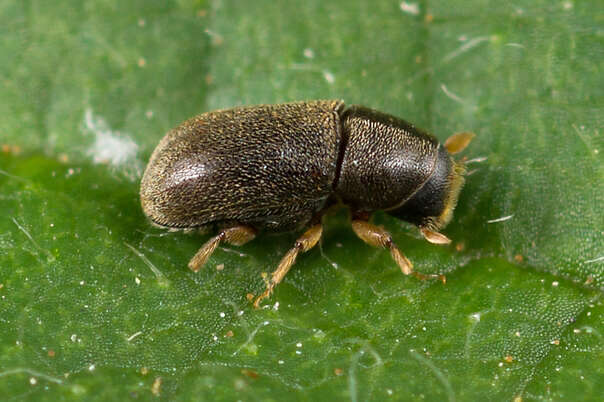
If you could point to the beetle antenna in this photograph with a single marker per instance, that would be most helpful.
(458, 142)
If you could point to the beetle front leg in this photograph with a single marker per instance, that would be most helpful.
(378, 237)
(434, 237)
(308, 240)
(236, 235)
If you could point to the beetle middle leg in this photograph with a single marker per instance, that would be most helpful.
(236, 235)
(377, 237)
(308, 240)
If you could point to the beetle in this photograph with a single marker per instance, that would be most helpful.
(280, 167)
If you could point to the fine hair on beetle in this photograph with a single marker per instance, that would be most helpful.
(280, 167)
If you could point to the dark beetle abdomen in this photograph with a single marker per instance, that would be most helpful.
(269, 166)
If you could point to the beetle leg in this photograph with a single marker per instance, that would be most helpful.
(236, 235)
(304, 243)
(434, 237)
(377, 237)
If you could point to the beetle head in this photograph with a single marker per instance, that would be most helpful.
(431, 206)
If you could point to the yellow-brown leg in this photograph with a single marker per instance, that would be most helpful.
(236, 235)
(308, 240)
(378, 237)
(435, 237)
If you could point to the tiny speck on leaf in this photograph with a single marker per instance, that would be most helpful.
(155, 388)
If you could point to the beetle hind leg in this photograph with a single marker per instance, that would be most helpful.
(308, 240)
(236, 235)
(377, 237)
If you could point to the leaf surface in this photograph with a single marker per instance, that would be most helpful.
(96, 303)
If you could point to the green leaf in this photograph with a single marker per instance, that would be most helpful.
(96, 303)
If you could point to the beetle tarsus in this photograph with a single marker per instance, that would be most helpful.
(423, 277)
(308, 240)
(402, 261)
(236, 235)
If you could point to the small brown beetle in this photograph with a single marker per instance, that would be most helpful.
(279, 167)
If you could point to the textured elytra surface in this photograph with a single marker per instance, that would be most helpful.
(96, 304)
(268, 166)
